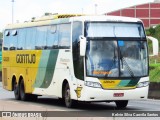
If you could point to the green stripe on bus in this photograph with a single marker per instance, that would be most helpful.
(50, 68)
(123, 83)
(133, 82)
(42, 68)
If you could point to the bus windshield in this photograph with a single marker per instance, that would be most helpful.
(114, 56)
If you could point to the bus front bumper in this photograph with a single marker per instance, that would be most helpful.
(99, 94)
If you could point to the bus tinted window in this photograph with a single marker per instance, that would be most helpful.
(30, 38)
(99, 29)
(77, 60)
(21, 39)
(13, 40)
(41, 37)
(7, 33)
(6, 40)
(52, 37)
(64, 35)
(76, 32)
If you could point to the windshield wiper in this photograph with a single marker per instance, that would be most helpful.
(128, 67)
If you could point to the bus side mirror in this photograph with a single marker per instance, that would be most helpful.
(83, 43)
(155, 45)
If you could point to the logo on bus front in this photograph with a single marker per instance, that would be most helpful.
(108, 81)
(110, 84)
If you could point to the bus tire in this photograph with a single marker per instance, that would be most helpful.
(67, 97)
(16, 91)
(121, 104)
(23, 95)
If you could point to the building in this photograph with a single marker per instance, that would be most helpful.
(149, 13)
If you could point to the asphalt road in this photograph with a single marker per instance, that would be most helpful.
(88, 110)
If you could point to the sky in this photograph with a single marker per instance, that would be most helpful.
(24, 10)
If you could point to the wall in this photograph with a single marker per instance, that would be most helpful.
(148, 13)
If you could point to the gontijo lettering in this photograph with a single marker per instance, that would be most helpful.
(26, 58)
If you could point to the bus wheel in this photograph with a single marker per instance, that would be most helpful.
(121, 104)
(16, 91)
(67, 97)
(23, 95)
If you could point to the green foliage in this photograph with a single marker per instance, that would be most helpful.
(147, 32)
(154, 32)
(154, 73)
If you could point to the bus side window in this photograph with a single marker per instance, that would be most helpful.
(21, 39)
(64, 35)
(77, 59)
(41, 38)
(6, 40)
(30, 38)
(52, 37)
(13, 40)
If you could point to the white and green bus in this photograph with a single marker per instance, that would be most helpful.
(77, 58)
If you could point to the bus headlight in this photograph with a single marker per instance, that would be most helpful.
(142, 84)
(92, 84)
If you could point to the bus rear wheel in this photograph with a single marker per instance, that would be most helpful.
(23, 95)
(121, 104)
(67, 97)
(16, 91)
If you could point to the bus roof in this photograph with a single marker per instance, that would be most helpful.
(64, 18)
(106, 18)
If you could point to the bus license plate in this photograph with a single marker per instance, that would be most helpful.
(118, 94)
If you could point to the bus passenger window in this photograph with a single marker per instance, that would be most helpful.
(13, 40)
(14, 32)
(30, 38)
(7, 33)
(21, 39)
(6, 40)
(41, 38)
(77, 59)
(64, 35)
(52, 37)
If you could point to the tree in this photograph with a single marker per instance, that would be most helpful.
(152, 31)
